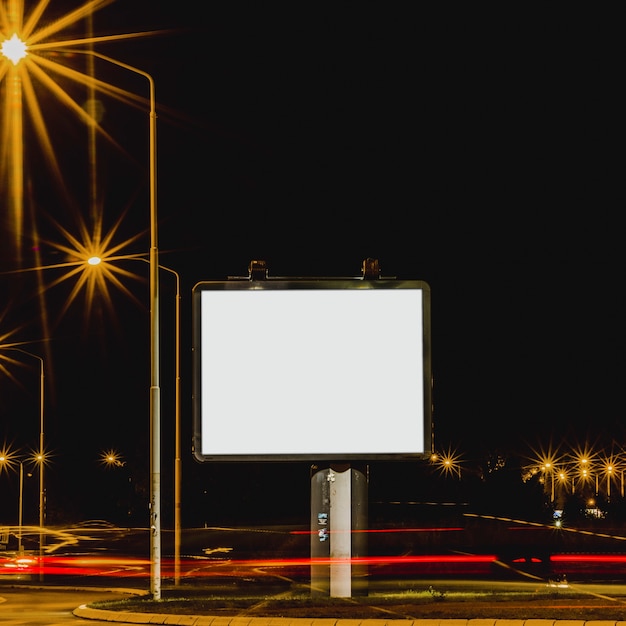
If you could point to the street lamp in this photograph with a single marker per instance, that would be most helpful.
(16, 51)
(155, 399)
(563, 481)
(610, 468)
(112, 459)
(94, 261)
(548, 468)
(8, 459)
(448, 462)
(40, 457)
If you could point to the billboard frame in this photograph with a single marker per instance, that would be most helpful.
(259, 280)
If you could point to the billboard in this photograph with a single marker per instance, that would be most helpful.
(311, 369)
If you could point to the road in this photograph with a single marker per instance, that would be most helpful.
(406, 557)
(48, 607)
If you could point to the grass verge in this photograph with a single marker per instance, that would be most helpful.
(407, 605)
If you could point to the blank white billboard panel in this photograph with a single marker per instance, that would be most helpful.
(311, 370)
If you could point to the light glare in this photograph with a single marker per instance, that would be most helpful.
(14, 49)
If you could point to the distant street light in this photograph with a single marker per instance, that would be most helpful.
(111, 458)
(41, 452)
(610, 468)
(547, 462)
(548, 468)
(563, 481)
(8, 459)
(448, 462)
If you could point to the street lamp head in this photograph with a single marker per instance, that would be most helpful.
(94, 260)
(14, 49)
(112, 458)
(10, 459)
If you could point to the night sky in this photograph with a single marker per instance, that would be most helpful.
(485, 161)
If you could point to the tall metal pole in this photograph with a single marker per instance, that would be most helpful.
(41, 466)
(155, 392)
(177, 420)
(20, 548)
(177, 459)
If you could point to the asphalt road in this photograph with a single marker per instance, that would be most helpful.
(227, 552)
(28, 606)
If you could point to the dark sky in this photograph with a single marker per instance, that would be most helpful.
(484, 161)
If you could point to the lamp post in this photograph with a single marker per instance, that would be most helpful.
(40, 454)
(111, 458)
(548, 468)
(20, 549)
(155, 408)
(177, 425)
(15, 52)
(609, 467)
(562, 481)
(8, 459)
(177, 447)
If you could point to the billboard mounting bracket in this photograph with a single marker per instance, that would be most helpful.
(257, 270)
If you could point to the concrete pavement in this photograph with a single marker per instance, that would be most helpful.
(206, 620)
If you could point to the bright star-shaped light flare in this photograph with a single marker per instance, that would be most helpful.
(93, 264)
(448, 462)
(7, 460)
(7, 356)
(112, 458)
(41, 82)
(14, 49)
(10, 459)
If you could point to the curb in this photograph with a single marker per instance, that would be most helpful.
(87, 612)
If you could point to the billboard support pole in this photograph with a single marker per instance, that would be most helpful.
(340, 533)
(338, 524)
